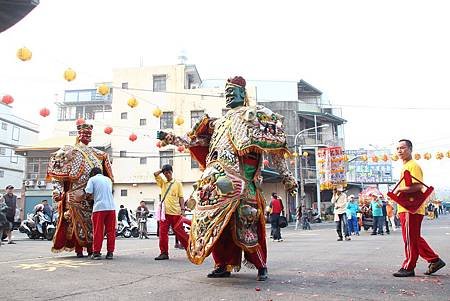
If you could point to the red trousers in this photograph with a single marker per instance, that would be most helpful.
(227, 254)
(415, 245)
(176, 221)
(79, 249)
(104, 222)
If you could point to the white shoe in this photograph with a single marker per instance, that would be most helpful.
(280, 240)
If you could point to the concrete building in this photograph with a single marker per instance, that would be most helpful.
(311, 123)
(14, 132)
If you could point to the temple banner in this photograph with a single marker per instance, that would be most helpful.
(331, 165)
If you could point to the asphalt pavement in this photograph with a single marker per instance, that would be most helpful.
(307, 265)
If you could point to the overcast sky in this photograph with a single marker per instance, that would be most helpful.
(378, 60)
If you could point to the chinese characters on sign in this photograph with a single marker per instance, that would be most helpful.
(369, 170)
(331, 166)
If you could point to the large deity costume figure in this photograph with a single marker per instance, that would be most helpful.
(229, 211)
(69, 167)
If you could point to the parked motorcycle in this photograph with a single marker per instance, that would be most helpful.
(134, 226)
(123, 229)
(38, 225)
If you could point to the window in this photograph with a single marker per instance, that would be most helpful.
(2, 151)
(4, 126)
(123, 154)
(143, 122)
(165, 157)
(124, 85)
(159, 83)
(224, 111)
(194, 163)
(143, 160)
(123, 192)
(15, 133)
(14, 159)
(36, 168)
(124, 115)
(195, 116)
(166, 120)
(2, 173)
(79, 112)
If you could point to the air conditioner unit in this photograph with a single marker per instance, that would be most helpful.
(29, 183)
(42, 183)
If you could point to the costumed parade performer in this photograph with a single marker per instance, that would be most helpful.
(69, 168)
(229, 213)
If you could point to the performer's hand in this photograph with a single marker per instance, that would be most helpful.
(56, 195)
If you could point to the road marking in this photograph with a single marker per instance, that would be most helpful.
(63, 257)
(53, 265)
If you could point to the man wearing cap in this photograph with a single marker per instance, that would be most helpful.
(11, 202)
(352, 211)
(411, 222)
(70, 167)
(339, 200)
(173, 201)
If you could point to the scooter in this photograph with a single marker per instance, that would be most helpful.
(134, 226)
(123, 229)
(38, 225)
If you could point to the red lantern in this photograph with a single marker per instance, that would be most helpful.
(180, 148)
(44, 112)
(108, 130)
(132, 137)
(7, 99)
(266, 162)
(158, 144)
(80, 121)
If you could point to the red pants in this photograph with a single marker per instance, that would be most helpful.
(104, 222)
(415, 245)
(176, 222)
(79, 249)
(227, 254)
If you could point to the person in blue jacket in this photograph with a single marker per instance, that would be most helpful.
(352, 210)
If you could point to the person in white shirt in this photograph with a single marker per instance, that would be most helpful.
(99, 188)
(339, 200)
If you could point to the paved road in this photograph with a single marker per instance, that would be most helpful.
(308, 265)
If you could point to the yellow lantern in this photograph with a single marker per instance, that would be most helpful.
(394, 157)
(132, 102)
(384, 157)
(439, 155)
(157, 112)
(24, 54)
(364, 157)
(286, 155)
(295, 154)
(427, 156)
(345, 158)
(103, 89)
(417, 156)
(448, 154)
(305, 154)
(69, 75)
(179, 120)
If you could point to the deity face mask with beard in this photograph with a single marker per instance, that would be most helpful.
(84, 133)
(235, 95)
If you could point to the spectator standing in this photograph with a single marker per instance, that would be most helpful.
(339, 200)
(122, 216)
(377, 214)
(48, 210)
(4, 223)
(277, 209)
(99, 188)
(352, 211)
(173, 201)
(391, 215)
(385, 217)
(10, 200)
(141, 217)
